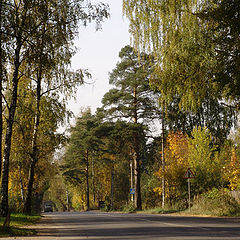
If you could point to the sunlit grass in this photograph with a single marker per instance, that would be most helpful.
(18, 223)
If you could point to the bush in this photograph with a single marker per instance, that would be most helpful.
(217, 203)
(129, 208)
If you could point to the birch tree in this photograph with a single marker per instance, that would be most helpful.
(39, 31)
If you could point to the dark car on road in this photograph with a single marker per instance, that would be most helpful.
(48, 207)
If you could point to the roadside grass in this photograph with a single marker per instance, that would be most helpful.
(159, 210)
(18, 222)
(217, 203)
(130, 208)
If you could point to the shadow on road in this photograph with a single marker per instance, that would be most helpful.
(134, 226)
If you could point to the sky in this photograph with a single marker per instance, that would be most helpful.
(98, 52)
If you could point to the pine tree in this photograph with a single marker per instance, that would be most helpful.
(132, 100)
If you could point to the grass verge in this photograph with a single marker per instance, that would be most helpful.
(216, 203)
(159, 210)
(18, 223)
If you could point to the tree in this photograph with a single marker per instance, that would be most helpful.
(223, 20)
(132, 100)
(204, 161)
(21, 24)
(41, 32)
(196, 44)
(212, 114)
(2, 58)
(82, 145)
(115, 158)
(181, 44)
(176, 163)
(52, 113)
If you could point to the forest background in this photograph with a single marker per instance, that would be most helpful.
(182, 71)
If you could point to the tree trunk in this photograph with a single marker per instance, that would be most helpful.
(87, 182)
(112, 186)
(93, 182)
(137, 197)
(131, 179)
(21, 183)
(28, 202)
(136, 160)
(4, 208)
(67, 195)
(1, 83)
(163, 162)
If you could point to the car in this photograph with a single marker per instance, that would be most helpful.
(48, 207)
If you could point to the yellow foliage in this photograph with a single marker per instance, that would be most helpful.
(78, 200)
(176, 162)
(232, 171)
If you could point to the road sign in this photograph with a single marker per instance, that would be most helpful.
(189, 174)
(132, 191)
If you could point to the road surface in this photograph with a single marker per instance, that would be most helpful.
(98, 225)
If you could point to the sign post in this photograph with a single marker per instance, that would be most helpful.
(189, 174)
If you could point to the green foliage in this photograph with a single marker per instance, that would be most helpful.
(224, 20)
(47, 142)
(150, 197)
(216, 203)
(132, 98)
(195, 44)
(211, 113)
(38, 46)
(87, 161)
(203, 161)
(183, 51)
(132, 101)
(129, 208)
(121, 183)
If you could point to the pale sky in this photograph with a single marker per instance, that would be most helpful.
(98, 52)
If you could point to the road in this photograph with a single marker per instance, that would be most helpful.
(98, 225)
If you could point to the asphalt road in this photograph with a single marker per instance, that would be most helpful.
(98, 225)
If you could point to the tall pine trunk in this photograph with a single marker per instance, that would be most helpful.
(137, 184)
(136, 160)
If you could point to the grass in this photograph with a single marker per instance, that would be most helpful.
(18, 223)
(216, 203)
(159, 210)
(130, 208)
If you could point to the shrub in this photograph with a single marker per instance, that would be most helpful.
(217, 203)
(129, 208)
